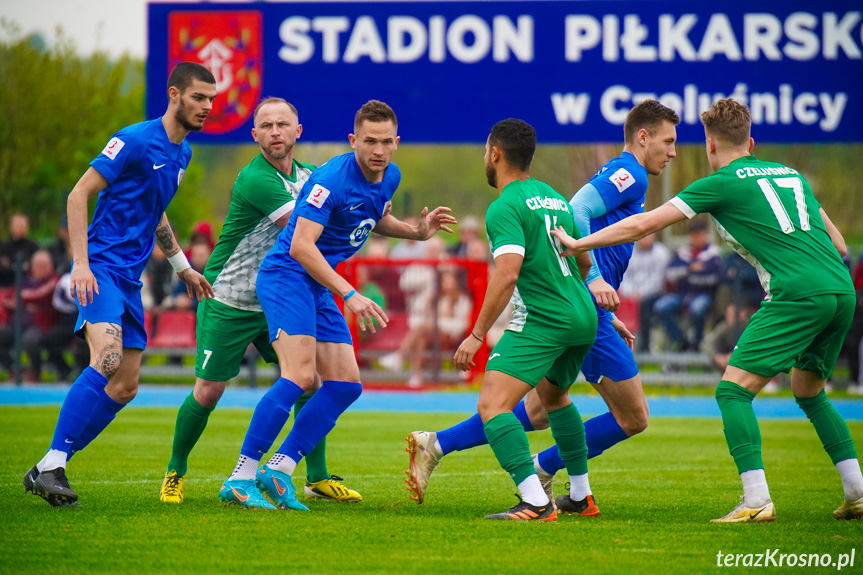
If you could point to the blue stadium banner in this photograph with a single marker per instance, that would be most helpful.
(573, 69)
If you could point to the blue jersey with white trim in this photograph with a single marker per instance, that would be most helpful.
(622, 183)
(339, 197)
(143, 169)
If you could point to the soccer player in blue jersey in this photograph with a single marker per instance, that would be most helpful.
(342, 202)
(136, 176)
(614, 193)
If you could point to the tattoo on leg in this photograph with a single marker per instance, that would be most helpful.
(116, 331)
(108, 360)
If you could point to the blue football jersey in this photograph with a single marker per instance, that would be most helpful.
(143, 169)
(337, 196)
(622, 183)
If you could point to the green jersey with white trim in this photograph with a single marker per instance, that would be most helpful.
(768, 214)
(262, 194)
(549, 294)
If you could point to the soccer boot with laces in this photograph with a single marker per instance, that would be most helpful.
(545, 479)
(423, 461)
(30, 478)
(526, 512)
(53, 487)
(850, 510)
(279, 487)
(331, 489)
(244, 492)
(586, 507)
(745, 514)
(172, 488)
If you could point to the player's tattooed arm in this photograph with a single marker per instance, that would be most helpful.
(165, 237)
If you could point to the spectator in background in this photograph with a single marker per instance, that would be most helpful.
(37, 296)
(159, 279)
(644, 280)
(198, 256)
(17, 243)
(202, 233)
(408, 249)
(693, 275)
(63, 334)
(61, 250)
(477, 250)
(740, 283)
(726, 334)
(468, 230)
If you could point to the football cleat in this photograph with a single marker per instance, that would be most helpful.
(545, 479)
(244, 492)
(848, 509)
(423, 462)
(331, 489)
(279, 487)
(745, 514)
(586, 507)
(30, 478)
(526, 512)
(172, 488)
(53, 487)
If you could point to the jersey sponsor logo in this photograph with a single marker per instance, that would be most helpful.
(318, 196)
(113, 148)
(180, 175)
(158, 166)
(229, 44)
(494, 355)
(361, 232)
(622, 179)
(539, 203)
(352, 208)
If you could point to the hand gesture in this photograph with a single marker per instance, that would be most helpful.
(197, 285)
(604, 294)
(431, 222)
(463, 358)
(567, 241)
(367, 311)
(83, 284)
(622, 330)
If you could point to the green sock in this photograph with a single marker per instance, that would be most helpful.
(740, 425)
(508, 441)
(829, 425)
(567, 428)
(191, 421)
(316, 461)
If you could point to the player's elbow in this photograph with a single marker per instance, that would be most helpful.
(508, 278)
(841, 247)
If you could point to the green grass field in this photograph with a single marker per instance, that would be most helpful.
(656, 493)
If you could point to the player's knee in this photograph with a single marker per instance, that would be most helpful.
(122, 390)
(635, 423)
(208, 393)
(347, 392)
(489, 407)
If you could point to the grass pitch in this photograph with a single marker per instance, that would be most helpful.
(656, 493)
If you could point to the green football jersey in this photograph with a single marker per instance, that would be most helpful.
(768, 214)
(262, 194)
(549, 294)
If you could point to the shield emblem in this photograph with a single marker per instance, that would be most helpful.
(228, 43)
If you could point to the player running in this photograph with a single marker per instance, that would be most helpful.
(768, 214)
(261, 204)
(136, 176)
(553, 321)
(339, 206)
(616, 191)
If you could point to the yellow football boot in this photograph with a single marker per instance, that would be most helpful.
(331, 489)
(744, 514)
(172, 488)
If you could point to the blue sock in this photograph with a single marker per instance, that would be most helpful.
(318, 417)
(470, 432)
(80, 402)
(269, 418)
(104, 413)
(602, 432)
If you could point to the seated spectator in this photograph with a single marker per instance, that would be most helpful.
(694, 275)
(63, 334)
(61, 250)
(409, 249)
(198, 256)
(17, 244)
(726, 334)
(38, 321)
(202, 233)
(160, 280)
(740, 283)
(644, 280)
(468, 229)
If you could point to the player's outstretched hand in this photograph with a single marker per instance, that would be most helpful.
(83, 284)
(624, 332)
(463, 358)
(567, 241)
(431, 222)
(367, 311)
(604, 294)
(197, 285)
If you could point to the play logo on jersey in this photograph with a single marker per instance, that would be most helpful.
(113, 148)
(622, 179)
(229, 45)
(318, 195)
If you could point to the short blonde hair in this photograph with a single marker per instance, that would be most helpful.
(728, 121)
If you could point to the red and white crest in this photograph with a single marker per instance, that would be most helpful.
(229, 44)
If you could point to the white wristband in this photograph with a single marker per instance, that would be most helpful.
(179, 262)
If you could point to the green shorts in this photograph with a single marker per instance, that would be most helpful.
(529, 356)
(806, 334)
(223, 334)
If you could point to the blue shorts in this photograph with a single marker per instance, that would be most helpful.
(298, 305)
(610, 356)
(118, 302)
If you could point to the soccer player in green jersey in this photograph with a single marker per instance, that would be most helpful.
(261, 204)
(768, 214)
(553, 322)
